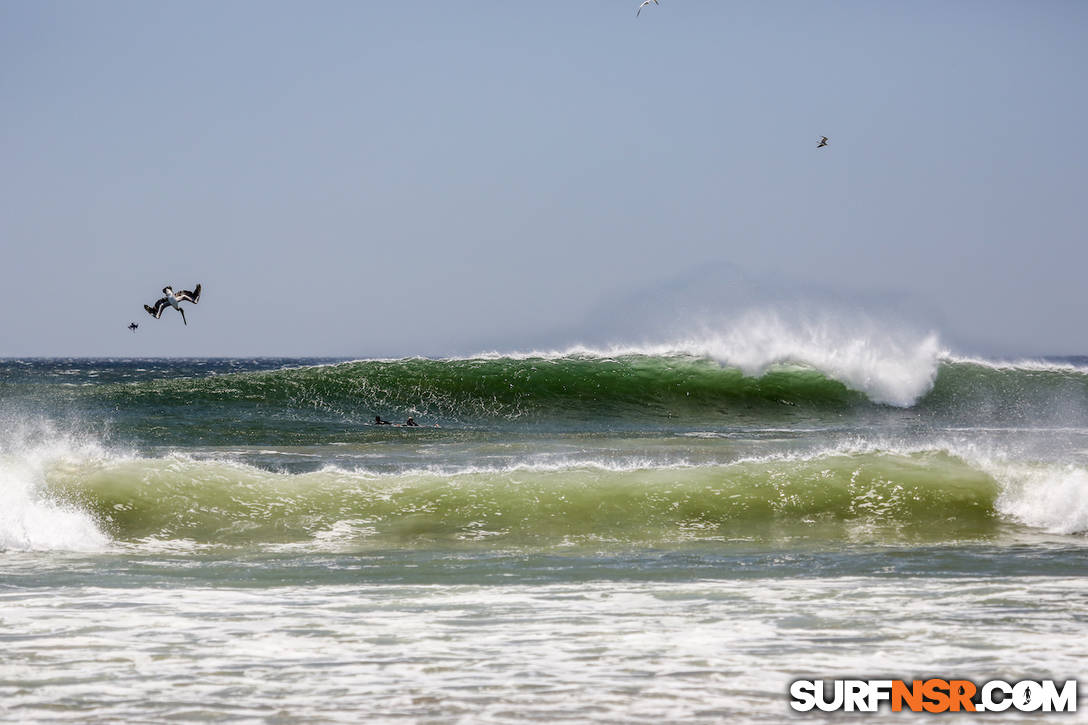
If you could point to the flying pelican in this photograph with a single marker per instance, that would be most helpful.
(172, 299)
(132, 326)
(644, 4)
(823, 142)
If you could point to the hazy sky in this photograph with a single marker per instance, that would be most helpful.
(396, 178)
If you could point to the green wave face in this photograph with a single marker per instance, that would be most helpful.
(633, 388)
(1009, 395)
(927, 495)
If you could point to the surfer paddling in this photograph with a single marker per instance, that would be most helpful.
(172, 299)
(410, 423)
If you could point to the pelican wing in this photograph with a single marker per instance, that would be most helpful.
(187, 296)
(156, 311)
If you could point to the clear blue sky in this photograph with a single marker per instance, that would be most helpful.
(399, 178)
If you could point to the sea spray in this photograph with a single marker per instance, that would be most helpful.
(584, 512)
(896, 368)
(890, 365)
(1050, 497)
(30, 517)
(279, 452)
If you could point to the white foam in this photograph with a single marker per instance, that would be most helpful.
(1045, 495)
(889, 361)
(29, 518)
(890, 365)
(621, 464)
(1050, 497)
(1025, 364)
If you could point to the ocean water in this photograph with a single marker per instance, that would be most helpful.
(668, 533)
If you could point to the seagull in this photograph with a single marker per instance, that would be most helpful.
(132, 326)
(823, 142)
(644, 4)
(172, 299)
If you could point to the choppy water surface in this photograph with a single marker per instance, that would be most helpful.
(630, 535)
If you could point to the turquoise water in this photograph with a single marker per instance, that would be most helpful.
(582, 536)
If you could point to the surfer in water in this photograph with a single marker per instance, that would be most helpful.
(410, 423)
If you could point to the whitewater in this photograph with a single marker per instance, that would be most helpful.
(673, 530)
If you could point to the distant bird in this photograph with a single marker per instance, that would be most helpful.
(172, 299)
(644, 4)
(823, 142)
(132, 326)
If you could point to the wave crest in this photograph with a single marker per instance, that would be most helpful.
(31, 517)
(929, 494)
(893, 367)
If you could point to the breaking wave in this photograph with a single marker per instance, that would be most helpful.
(83, 500)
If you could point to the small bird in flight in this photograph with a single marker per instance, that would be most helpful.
(132, 326)
(823, 142)
(172, 299)
(644, 4)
